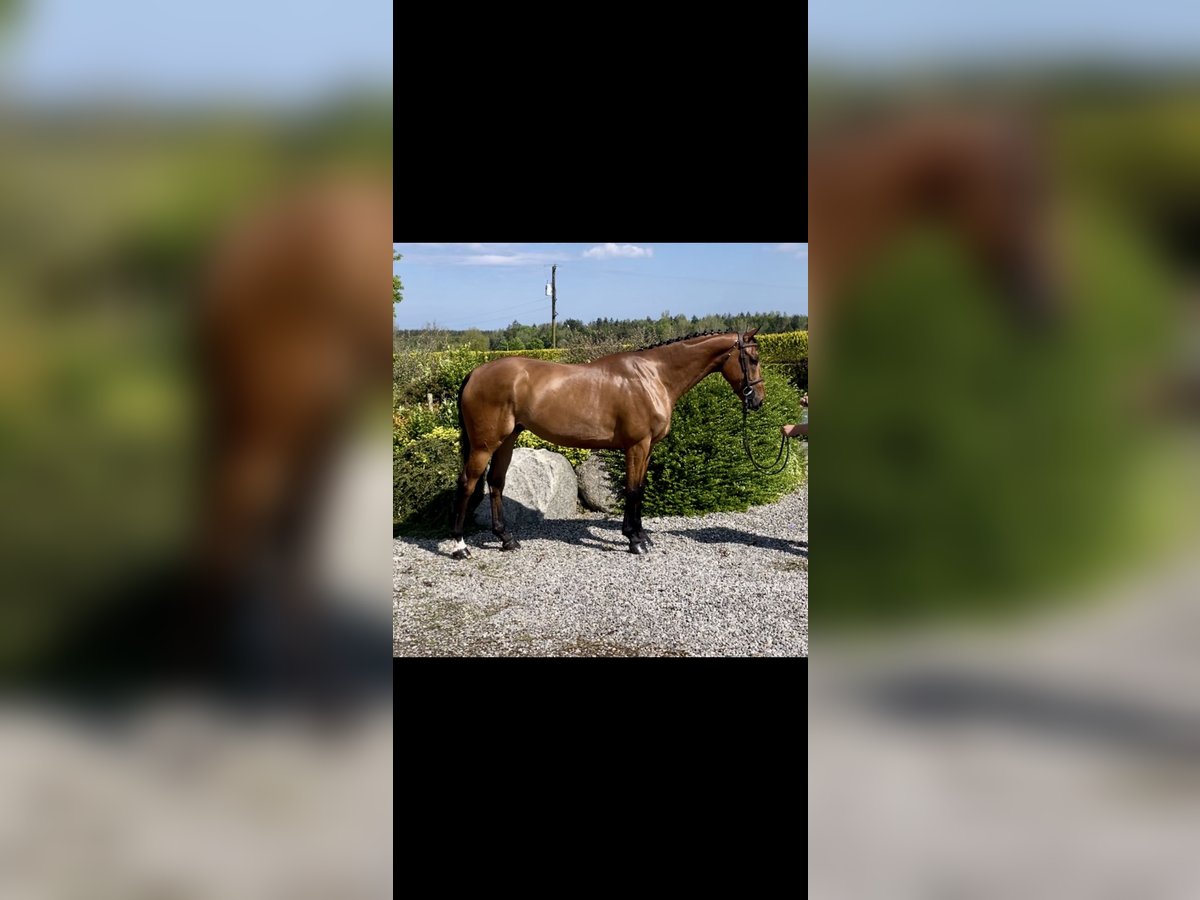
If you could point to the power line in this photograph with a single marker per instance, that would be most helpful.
(494, 313)
(789, 287)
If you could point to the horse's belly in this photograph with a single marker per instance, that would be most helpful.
(577, 422)
(582, 434)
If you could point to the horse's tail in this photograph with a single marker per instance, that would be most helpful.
(464, 442)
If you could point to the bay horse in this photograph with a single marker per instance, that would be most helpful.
(622, 401)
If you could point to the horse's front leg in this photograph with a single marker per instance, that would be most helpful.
(637, 458)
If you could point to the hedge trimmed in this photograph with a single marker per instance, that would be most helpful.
(791, 347)
(787, 353)
(416, 373)
(554, 355)
(982, 467)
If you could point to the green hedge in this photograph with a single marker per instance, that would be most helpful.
(416, 373)
(791, 347)
(701, 467)
(980, 466)
(554, 355)
(424, 472)
(787, 353)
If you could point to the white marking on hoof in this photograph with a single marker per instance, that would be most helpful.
(460, 544)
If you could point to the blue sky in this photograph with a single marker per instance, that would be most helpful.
(487, 286)
(273, 50)
(868, 34)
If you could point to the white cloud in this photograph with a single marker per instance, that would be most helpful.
(501, 259)
(800, 251)
(478, 255)
(605, 251)
(479, 248)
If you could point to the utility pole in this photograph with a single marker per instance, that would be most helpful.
(553, 308)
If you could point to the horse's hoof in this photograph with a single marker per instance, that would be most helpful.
(645, 539)
(637, 548)
(511, 544)
(464, 553)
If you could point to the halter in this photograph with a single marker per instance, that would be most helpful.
(785, 450)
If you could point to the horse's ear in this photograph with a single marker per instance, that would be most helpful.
(751, 333)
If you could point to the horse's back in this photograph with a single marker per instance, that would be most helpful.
(590, 405)
(512, 370)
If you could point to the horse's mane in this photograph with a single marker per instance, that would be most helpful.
(686, 337)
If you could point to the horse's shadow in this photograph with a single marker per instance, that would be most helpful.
(605, 535)
(720, 535)
(598, 534)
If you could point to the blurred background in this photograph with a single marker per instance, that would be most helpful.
(1004, 234)
(195, 198)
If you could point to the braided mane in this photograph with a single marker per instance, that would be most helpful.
(686, 337)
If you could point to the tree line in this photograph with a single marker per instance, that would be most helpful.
(574, 332)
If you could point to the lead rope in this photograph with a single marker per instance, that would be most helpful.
(785, 448)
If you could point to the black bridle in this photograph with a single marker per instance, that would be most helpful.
(747, 384)
(785, 449)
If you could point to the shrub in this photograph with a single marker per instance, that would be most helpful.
(552, 354)
(417, 373)
(424, 472)
(451, 367)
(532, 441)
(412, 376)
(412, 422)
(701, 466)
(787, 353)
(791, 347)
(992, 471)
(594, 348)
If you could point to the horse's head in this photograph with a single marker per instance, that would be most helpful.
(743, 372)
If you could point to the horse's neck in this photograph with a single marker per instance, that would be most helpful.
(682, 366)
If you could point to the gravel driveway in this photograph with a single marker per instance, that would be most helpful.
(725, 584)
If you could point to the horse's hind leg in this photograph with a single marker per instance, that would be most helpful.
(495, 480)
(472, 471)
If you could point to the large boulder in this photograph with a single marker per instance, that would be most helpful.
(595, 487)
(540, 484)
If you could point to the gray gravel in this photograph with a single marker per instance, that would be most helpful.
(725, 584)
